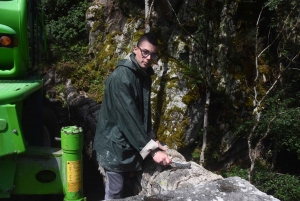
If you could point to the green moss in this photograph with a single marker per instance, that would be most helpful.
(137, 35)
(172, 84)
(171, 124)
(264, 69)
(192, 96)
(99, 24)
(175, 126)
(105, 59)
(178, 40)
(90, 66)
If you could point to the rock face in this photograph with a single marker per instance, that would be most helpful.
(204, 44)
(177, 113)
(178, 90)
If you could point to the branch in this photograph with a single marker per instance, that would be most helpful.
(291, 60)
(257, 103)
(282, 28)
(180, 25)
(251, 155)
(294, 69)
(148, 15)
(275, 82)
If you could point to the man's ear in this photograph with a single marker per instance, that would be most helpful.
(135, 49)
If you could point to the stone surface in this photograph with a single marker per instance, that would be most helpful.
(229, 189)
(159, 179)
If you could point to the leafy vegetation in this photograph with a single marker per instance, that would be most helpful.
(235, 171)
(194, 73)
(285, 129)
(65, 21)
(283, 186)
(67, 39)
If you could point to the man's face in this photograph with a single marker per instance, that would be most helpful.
(145, 54)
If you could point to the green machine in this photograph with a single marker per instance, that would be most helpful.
(29, 163)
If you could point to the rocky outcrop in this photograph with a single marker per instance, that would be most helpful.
(177, 112)
(178, 88)
(203, 45)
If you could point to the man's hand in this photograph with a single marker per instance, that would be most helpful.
(161, 157)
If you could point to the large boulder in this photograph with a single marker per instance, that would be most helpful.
(229, 189)
(159, 179)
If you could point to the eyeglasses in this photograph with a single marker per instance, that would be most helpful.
(146, 53)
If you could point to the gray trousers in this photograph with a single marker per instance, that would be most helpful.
(117, 185)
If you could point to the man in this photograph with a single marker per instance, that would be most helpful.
(124, 136)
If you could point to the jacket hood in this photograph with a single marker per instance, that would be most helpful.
(135, 67)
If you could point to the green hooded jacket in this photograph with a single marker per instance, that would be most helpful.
(124, 131)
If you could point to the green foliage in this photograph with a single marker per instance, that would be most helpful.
(235, 171)
(196, 155)
(212, 152)
(272, 4)
(73, 52)
(194, 73)
(68, 44)
(65, 21)
(285, 129)
(283, 186)
(283, 103)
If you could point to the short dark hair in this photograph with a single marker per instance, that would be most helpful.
(150, 37)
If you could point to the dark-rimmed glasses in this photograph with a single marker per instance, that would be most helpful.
(146, 53)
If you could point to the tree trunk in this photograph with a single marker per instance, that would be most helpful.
(148, 9)
(205, 125)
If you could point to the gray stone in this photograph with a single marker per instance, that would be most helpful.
(160, 183)
(229, 189)
(159, 179)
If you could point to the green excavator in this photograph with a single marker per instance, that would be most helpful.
(30, 163)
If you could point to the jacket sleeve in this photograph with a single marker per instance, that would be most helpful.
(128, 117)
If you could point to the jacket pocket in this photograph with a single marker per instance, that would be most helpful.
(120, 140)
